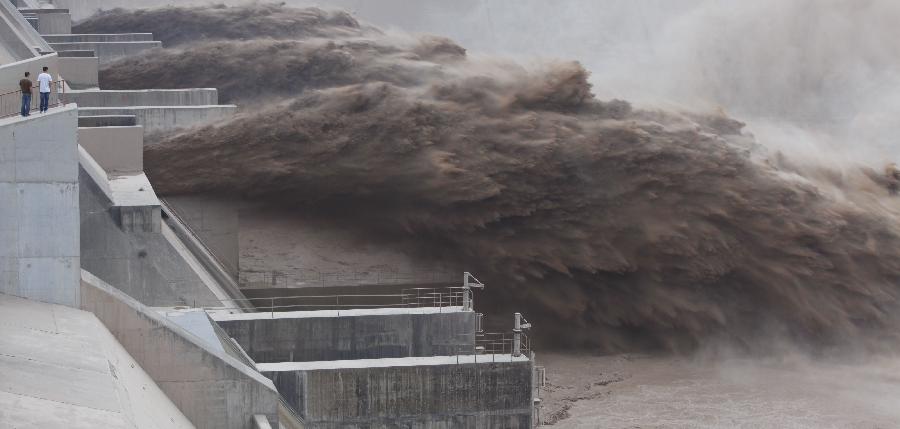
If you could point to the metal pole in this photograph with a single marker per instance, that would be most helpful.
(467, 302)
(517, 335)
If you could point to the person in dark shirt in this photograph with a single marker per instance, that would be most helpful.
(25, 85)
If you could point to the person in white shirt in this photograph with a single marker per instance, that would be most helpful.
(44, 81)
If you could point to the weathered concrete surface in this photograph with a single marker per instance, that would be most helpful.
(12, 73)
(215, 221)
(78, 71)
(211, 388)
(55, 21)
(302, 336)
(428, 393)
(61, 368)
(19, 39)
(119, 150)
(145, 97)
(167, 118)
(145, 265)
(39, 207)
(108, 51)
(107, 121)
(78, 38)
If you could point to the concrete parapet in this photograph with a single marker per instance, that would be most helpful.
(301, 336)
(211, 388)
(149, 266)
(119, 150)
(108, 51)
(80, 72)
(167, 118)
(12, 73)
(82, 38)
(107, 121)
(39, 207)
(426, 393)
(145, 97)
(54, 21)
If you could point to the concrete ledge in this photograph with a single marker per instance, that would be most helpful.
(39, 207)
(107, 121)
(108, 51)
(119, 150)
(167, 118)
(145, 97)
(76, 53)
(80, 72)
(211, 388)
(359, 334)
(410, 393)
(82, 38)
(54, 21)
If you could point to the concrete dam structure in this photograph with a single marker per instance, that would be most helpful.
(120, 309)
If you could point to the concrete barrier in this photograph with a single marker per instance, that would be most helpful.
(119, 150)
(82, 38)
(421, 393)
(107, 121)
(302, 336)
(211, 388)
(167, 118)
(39, 207)
(108, 51)
(11, 74)
(145, 97)
(80, 72)
(55, 22)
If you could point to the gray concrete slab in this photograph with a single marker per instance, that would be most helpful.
(211, 388)
(145, 97)
(61, 368)
(167, 118)
(39, 239)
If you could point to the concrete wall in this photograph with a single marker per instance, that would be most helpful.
(215, 221)
(108, 51)
(119, 150)
(330, 337)
(55, 22)
(144, 265)
(80, 38)
(17, 36)
(80, 72)
(12, 73)
(167, 118)
(107, 121)
(39, 207)
(212, 389)
(145, 97)
(467, 395)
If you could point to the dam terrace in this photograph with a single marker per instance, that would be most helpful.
(119, 309)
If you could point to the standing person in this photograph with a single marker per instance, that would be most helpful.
(25, 85)
(44, 79)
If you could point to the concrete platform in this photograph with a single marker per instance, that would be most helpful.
(166, 118)
(108, 52)
(61, 368)
(426, 393)
(351, 334)
(145, 97)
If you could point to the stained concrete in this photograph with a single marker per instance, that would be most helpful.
(119, 150)
(355, 334)
(108, 52)
(39, 234)
(145, 265)
(107, 121)
(145, 97)
(427, 393)
(61, 368)
(215, 220)
(167, 118)
(211, 388)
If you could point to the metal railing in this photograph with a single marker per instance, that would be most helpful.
(501, 343)
(408, 298)
(315, 278)
(11, 102)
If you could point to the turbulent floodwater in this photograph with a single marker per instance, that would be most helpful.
(614, 227)
(633, 391)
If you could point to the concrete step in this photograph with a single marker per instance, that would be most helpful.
(108, 51)
(166, 118)
(145, 97)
